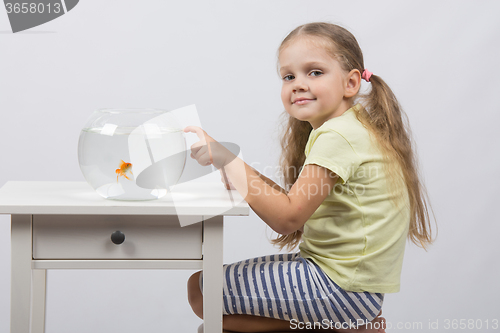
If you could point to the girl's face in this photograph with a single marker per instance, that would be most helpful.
(314, 84)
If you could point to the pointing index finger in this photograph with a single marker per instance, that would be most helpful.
(195, 129)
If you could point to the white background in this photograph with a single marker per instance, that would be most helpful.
(440, 57)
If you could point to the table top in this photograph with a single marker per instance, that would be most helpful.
(48, 197)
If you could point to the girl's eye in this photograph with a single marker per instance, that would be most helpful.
(316, 73)
(288, 77)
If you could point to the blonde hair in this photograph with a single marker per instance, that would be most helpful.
(381, 114)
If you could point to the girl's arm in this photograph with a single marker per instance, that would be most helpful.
(283, 212)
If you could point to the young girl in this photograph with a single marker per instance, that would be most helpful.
(352, 197)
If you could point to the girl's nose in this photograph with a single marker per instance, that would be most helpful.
(299, 85)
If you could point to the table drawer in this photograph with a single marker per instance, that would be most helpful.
(89, 237)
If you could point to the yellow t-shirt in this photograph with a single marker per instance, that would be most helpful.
(357, 235)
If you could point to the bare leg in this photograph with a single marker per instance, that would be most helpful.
(246, 323)
(195, 297)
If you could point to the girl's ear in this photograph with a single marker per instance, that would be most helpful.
(353, 83)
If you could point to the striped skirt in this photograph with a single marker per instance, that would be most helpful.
(289, 287)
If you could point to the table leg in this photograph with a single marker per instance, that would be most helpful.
(39, 277)
(212, 274)
(20, 290)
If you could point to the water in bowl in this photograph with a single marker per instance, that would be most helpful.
(104, 150)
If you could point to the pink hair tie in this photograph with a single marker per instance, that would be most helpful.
(366, 75)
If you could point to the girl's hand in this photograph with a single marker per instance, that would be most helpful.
(208, 151)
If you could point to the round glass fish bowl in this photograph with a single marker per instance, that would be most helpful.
(132, 154)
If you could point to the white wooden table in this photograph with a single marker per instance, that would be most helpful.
(58, 225)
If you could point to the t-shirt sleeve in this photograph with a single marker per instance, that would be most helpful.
(333, 152)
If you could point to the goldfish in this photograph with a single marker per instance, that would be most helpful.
(124, 168)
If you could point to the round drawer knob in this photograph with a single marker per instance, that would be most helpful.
(117, 237)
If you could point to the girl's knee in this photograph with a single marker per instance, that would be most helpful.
(195, 297)
(193, 284)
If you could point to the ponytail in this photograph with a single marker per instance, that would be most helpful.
(388, 122)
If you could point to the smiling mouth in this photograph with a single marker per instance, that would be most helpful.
(303, 101)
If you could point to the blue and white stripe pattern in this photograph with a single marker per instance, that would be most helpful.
(287, 286)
